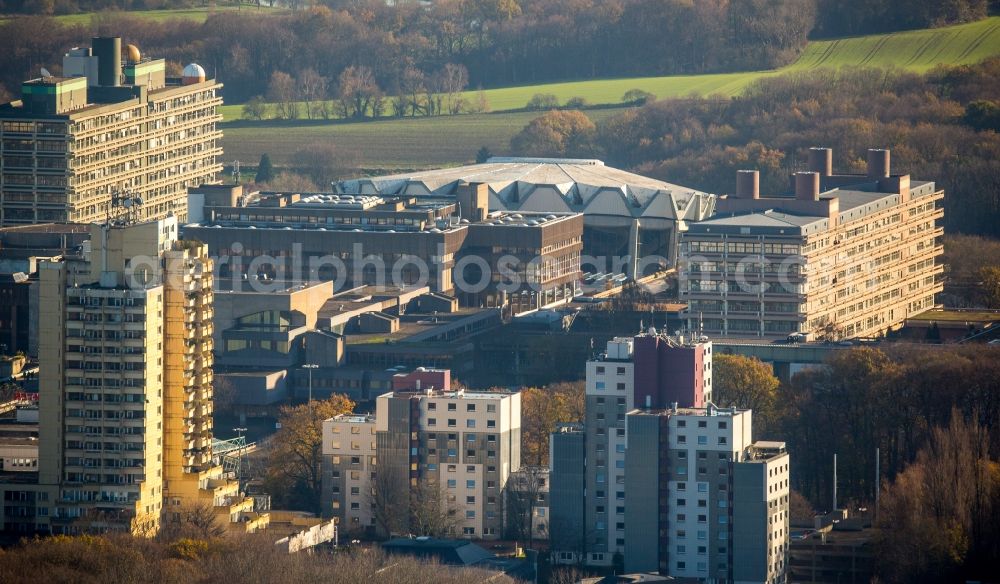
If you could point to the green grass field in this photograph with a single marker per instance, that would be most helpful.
(198, 14)
(424, 142)
(385, 144)
(918, 50)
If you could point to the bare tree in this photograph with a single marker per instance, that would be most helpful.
(312, 88)
(281, 91)
(453, 80)
(193, 520)
(526, 491)
(358, 91)
(433, 510)
(389, 497)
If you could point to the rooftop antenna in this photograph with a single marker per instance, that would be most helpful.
(236, 171)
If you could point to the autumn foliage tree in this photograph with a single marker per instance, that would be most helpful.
(235, 559)
(542, 409)
(940, 518)
(746, 383)
(556, 134)
(295, 452)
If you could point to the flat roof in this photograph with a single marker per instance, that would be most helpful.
(353, 419)
(854, 202)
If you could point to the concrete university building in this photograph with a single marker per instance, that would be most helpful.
(112, 127)
(625, 214)
(456, 246)
(846, 256)
(658, 479)
(442, 454)
(125, 408)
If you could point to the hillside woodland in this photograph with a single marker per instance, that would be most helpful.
(499, 42)
(941, 126)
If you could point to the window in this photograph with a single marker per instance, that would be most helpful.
(599, 385)
(704, 439)
(682, 423)
(452, 483)
(452, 407)
(681, 565)
(723, 425)
(470, 407)
(600, 370)
(681, 517)
(681, 486)
(682, 439)
(702, 424)
(722, 439)
(451, 422)
(702, 518)
(681, 534)
(681, 502)
(470, 484)
(470, 514)
(470, 500)
(470, 423)
(432, 406)
(621, 371)
(491, 408)
(702, 487)
(432, 421)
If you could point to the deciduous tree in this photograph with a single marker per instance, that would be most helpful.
(556, 134)
(542, 409)
(746, 383)
(295, 451)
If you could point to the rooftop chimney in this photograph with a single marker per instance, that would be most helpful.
(807, 186)
(747, 184)
(821, 161)
(878, 163)
(108, 51)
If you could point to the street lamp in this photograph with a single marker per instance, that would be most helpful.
(310, 367)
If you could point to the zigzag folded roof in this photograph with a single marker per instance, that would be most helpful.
(550, 185)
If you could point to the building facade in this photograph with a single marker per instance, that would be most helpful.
(649, 370)
(847, 256)
(703, 501)
(453, 246)
(125, 412)
(631, 222)
(114, 128)
(349, 466)
(442, 453)
(659, 479)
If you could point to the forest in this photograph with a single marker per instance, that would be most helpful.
(941, 126)
(932, 413)
(499, 42)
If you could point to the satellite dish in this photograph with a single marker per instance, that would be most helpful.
(45, 72)
(138, 200)
(128, 203)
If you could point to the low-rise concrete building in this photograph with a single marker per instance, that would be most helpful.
(454, 245)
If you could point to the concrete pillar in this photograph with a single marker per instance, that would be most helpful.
(633, 249)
